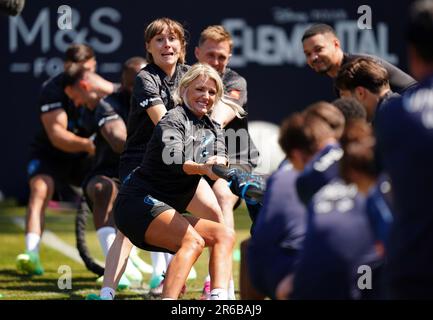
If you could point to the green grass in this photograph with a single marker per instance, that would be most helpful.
(14, 286)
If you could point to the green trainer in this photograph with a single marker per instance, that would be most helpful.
(29, 263)
(124, 283)
(94, 296)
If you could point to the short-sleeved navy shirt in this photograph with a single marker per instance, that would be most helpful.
(152, 87)
(112, 107)
(52, 97)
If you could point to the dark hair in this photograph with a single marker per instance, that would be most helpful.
(306, 131)
(132, 62)
(79, 53)
(157, 26)
(329, 114)
(73, 73)
(420, 29)
(358, 146)
(350, 108)
(295, 134)
(320, 28)
(129, 70)
(364, 72)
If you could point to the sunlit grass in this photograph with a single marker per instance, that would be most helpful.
(14, 286)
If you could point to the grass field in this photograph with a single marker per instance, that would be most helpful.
(18, 287)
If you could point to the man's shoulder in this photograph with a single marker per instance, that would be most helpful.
(116, 99)
(419, 98)
(52, 95)
(348, 57)
(106, 104)
(285, 175)
(53, 84)
(231, 76)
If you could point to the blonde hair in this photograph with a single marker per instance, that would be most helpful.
(216, 33)
(237, 109)
(157, 26)
(197, 70)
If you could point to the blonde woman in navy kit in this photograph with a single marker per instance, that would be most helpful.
(148, 209)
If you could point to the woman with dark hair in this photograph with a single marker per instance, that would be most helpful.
(152, 97)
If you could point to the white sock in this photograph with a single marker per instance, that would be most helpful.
(231, 290)
(168, 299)
(207, 279)
(107, 293)
(106, 236)
(133, 252)
(32, 242)
(168, 257)
(218, 294)
(158, 263)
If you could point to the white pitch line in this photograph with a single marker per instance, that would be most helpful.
(50, 239)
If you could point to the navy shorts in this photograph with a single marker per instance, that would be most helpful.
(133, 215)
(66, 171)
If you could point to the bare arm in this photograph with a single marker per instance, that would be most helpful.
(191, 168)
(114, 132)
(156, 112)
(55, 124)
(222, 114)
(284, 288)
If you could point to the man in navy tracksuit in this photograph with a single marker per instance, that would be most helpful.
(405, 137)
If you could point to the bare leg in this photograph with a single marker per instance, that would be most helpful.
(204, 203)
(172, 231)
(226, 200)
(102, 191)
(116, 261)
(221, 239)
(41, 192)
(248, 292)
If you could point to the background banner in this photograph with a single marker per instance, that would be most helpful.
(267, 52)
